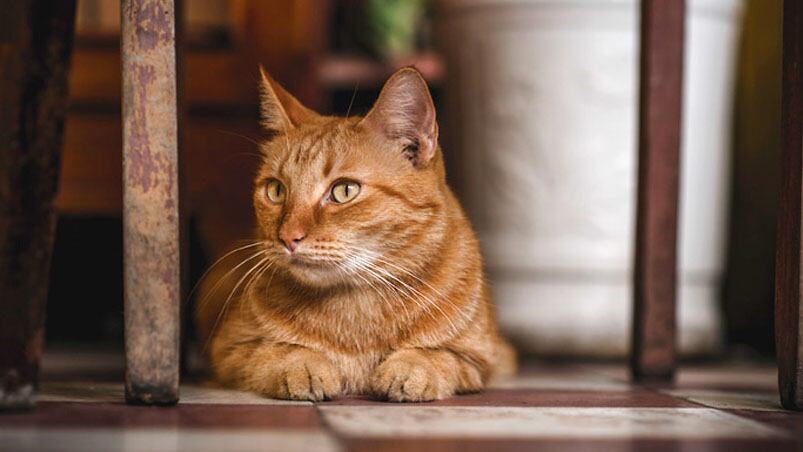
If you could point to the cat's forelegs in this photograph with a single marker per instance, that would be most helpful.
(419, 375)
(281, 371)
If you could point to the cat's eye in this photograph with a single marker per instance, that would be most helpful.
(275, 191)
(345, 191)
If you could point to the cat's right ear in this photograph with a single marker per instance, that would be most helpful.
(280, 111)
(405, 114)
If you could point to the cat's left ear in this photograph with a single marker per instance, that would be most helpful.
(404, 113)
(281, 111)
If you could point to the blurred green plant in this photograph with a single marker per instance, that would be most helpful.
(392, 25)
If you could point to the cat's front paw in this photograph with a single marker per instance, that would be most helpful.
(408, 376)
(308, 376)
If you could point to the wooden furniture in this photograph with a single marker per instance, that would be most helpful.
(788, 288)
(150, 202)
(653, 353)
(654, 286)
(35, 47)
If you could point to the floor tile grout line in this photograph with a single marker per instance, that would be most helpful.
(341, 439)
(786, 434)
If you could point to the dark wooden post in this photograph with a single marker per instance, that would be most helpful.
(661, 72)
(35, 46)
(150, 202)
(788, 312)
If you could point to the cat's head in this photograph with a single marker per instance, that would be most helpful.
(351, 199)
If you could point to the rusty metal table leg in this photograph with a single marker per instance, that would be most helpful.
(150, 202)
(653, 340)
(35, 46)
(788, 299)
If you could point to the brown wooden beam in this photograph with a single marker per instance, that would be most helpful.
(150, 202)
(35, 45)
(788, 312)
(661, 72)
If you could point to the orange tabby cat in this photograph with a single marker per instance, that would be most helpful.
(367, 277)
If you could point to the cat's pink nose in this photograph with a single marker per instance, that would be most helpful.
(291, 238)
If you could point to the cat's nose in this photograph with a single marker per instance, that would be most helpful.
(291, 238)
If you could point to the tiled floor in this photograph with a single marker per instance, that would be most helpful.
(547, 407)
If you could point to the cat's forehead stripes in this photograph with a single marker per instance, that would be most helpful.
(311, 154)
(309, 145)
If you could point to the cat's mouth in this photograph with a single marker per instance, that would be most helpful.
(313, 270)
(309, 262)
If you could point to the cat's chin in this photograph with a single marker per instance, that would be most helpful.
(317, 275)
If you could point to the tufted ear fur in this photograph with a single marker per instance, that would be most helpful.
(280, 111)
(404, 113)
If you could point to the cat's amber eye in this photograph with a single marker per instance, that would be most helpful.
(345, 191)
(275, 191)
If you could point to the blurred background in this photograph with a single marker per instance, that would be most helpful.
(537, 101)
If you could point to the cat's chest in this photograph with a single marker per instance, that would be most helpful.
(355, 338)
(356, 369)
(354, 348)
(353, 334)
(348, 325)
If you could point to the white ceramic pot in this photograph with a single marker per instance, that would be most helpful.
(541, 134)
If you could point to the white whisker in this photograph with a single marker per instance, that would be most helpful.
(231, 294)
(443, 297)
(220, 281)
(218, 261)
(367, 261)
